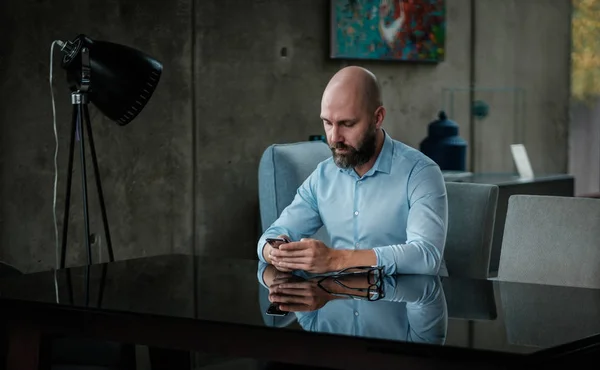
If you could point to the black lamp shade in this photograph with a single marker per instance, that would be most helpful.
(121, 80)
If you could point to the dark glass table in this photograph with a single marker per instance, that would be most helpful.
(218, 306)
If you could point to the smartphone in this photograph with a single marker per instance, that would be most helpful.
(274, 242)
(274, 310)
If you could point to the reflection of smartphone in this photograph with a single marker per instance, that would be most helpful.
(274, 241)
(274, 310)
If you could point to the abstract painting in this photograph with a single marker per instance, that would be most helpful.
(401, 30)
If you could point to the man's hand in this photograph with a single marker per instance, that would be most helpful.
(268, 249)
(310, 255)
(298, 296)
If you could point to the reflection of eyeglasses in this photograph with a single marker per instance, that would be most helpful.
(374, 291)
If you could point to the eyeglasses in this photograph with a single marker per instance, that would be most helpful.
(373, 275)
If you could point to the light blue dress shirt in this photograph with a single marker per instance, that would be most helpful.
(398, 209)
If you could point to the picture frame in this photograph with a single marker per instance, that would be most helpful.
(391, 30)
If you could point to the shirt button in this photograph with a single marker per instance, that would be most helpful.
(356, 245)
(355, 313)
(356, 213)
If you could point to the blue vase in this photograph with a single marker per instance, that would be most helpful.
(444, 145)
(317, 138)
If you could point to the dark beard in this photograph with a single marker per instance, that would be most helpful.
(356, 156)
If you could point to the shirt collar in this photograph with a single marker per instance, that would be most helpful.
(384, 161)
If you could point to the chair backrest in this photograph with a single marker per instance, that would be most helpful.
(551, 240)
(282, 169)
(471, 217)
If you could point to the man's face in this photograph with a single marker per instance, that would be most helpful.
(348, 156)
(350, 128)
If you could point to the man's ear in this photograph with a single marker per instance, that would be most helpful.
(379, 116)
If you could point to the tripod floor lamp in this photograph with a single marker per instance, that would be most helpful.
(119, 81)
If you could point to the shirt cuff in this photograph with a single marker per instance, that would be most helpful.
(385, 258)
(260, 247)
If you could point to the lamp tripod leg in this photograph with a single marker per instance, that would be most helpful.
(86, 116)
(84, 184)
(68, 192)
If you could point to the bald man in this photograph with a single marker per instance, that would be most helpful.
(382, 202)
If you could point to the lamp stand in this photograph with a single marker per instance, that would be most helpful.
(80, 102)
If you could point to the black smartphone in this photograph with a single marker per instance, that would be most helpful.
(274, 310)
(274, 241)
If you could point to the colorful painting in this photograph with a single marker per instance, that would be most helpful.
(403, 30)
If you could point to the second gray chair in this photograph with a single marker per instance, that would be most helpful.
(551, 240)
(471, 218)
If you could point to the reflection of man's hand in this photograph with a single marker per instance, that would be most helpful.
(272, 275)
(297, 296)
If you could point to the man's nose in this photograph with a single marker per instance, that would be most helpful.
(335, 135)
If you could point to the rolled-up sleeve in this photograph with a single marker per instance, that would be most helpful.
(426, 227)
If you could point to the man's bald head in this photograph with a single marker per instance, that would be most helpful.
(360, 81)
(352, 114)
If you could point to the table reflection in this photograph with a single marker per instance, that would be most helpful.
(408, 308)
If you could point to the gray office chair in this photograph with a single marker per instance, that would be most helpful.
(554, 241)
(281, 171)
(471, 217)
(551, 240)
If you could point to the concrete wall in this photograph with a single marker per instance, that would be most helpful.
(525, 45)
(182, 176)
(146, 167)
